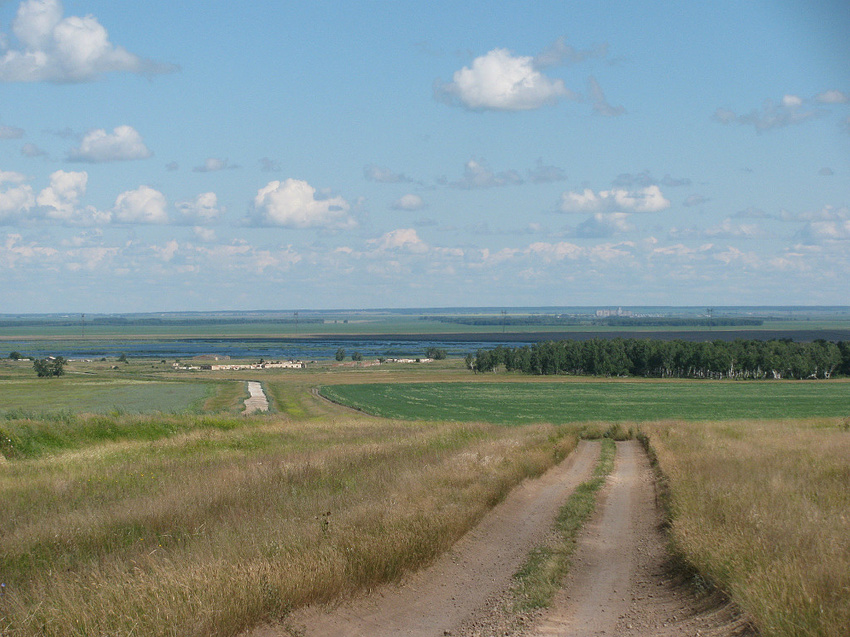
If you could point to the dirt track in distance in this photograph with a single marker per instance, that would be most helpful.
(620, 580)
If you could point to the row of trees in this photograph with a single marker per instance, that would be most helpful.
(742, 359)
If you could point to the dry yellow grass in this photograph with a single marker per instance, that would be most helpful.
(211, 532)
(763, 510)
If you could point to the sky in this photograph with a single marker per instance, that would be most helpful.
(266, 155)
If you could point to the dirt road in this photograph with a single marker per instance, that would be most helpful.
(620, 580)
(256, 400)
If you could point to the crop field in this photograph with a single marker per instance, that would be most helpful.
(620, 401)
(69, 394)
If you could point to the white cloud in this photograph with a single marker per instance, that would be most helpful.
(293, 204)
(207, 235)
(11, 177)
(405, 239)
(72, 49)
(502, 82)
(409, 202)
(143, 205)
(14, 201)
(204, 209)
(98, 146)
(603, 225)
(649, 199)
(60, 201)
(479, 175)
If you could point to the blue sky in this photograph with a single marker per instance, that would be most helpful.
(159, 157)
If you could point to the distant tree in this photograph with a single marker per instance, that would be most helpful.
(340, 354)
(437, 353)
(357, 356)
(16, 356)
(46, 367)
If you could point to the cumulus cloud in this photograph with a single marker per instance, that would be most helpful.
(603, 225)
(60, 201)
(500, 81)
(405, 239)
(143, 205)
(14, 200)
(202, 210)
(409, 202)
(214, 164)
(293, 204)
(122, 144)
(600, 104)
(54, 48)
(789, 111)
(478, 175)
(648, 199)
(827, 224)
(12, 177)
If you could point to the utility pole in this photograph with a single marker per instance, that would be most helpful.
(504, 320)
(83, 326)
(296, 322)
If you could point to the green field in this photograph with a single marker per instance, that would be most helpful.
(97, 395)
(564, 402)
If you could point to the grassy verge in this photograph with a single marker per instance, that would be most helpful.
(761, 511)
(210, 531)
(536, 583)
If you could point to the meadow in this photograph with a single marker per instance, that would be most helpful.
(208, 523)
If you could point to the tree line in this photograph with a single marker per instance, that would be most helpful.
(739, 359)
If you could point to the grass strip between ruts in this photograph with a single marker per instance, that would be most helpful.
(536, 583)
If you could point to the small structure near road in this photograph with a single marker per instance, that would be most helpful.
(239, 366)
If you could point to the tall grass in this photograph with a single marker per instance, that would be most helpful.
(208, 532)
(763, 510)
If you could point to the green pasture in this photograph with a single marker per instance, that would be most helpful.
(97, 395)
(512, 403)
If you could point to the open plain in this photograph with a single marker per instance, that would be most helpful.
(197, 520)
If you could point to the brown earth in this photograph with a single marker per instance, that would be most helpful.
(621, 581)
